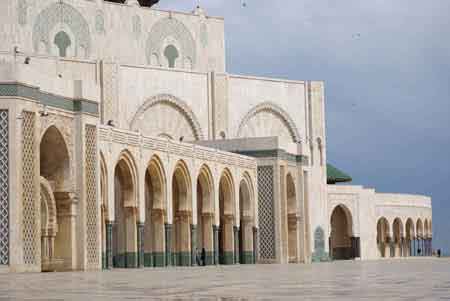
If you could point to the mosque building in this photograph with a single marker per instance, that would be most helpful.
(124, 143)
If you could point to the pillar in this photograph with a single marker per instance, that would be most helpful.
(193, 245)
(140, 245)
(208, 238)
(168, 238)
(236, 244)
(255, 245)
(109, 244)
(216, 243)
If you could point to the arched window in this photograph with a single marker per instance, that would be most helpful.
(171, 54)
(62, 41)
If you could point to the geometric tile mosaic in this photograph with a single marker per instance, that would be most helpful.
(4, 187)
(266, 213)
(92, 230)
(29, 227)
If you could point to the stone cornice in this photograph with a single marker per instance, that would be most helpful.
(16, 89)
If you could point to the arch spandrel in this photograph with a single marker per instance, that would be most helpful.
(171, 31)
(62, 14)
(170, 117)
(268, 113)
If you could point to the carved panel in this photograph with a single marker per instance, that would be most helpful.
(175, 31)
(4, 187)
(58, 14)
(29, 195)
(266, 214)
(92, 232)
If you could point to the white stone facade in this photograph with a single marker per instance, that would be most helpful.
(126, 143)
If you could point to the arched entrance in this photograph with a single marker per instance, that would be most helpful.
(226, 209)
(246, 249)
(383, 237)
(58, 204)
(419, 238)
(410, 236)
(292, 220)
(182, 217)
(341, 244)
(205, 214)
(155, 211)
(397, 229)
(125, 228)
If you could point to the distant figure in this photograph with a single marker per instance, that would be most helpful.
(203, 256)
(439, 253)
(418, 251)
(197, 256)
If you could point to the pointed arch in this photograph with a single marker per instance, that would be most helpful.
(171, 30)
(276, 110)
(341, 233)
(174, 103)
(410, 230)
(54, 159)
(50, 17)
(419, 228)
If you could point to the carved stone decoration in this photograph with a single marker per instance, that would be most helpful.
(66, 17)
(168, 105)
(22, 12)
(172, 31)
(4, 187)
(282, 123)
(92, 213)
(29, 190)
(100, 22)
(266, 213)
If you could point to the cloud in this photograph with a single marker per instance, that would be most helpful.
(386, 66)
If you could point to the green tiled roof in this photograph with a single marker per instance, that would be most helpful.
(335, 175)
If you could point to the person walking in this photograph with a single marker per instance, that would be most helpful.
(203, 256)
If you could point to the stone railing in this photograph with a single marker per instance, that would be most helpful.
(135, 139)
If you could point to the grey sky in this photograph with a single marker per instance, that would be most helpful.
(386, 67)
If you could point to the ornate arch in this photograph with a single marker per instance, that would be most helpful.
(277, 111)
(47, 195)
(206, 179)
(128, 160)
(158, 182)
(171, 28)
(61, 13)
(247, 181)
(175, 102)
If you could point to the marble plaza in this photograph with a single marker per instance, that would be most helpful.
(420, 279)
(125, 143)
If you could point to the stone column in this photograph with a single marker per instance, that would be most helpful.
(246, 257)
(66, 240)
(140, 245)
(387, 250)
(109, 244)
(208, 238)
(255, 245)
(236, 244)
(227, 237)
(168, 237)
(216, 244)
(184, 239)
(431, 245)
(193, 245)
